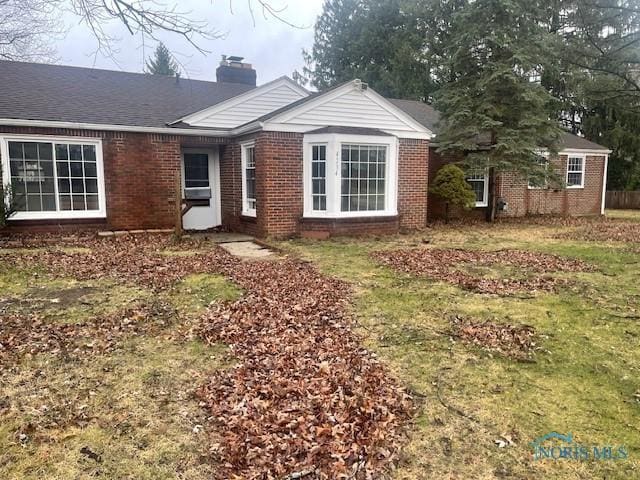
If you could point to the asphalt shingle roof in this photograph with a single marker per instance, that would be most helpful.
(429, 117)
(34, 91)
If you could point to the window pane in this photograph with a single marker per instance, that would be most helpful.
(62, 152)
(18, 186)
(90, 170)
(91, 186)
(89, 152)
(63, 169)
(64, 186)
(49, 203)
(46, 168)
(45, 151)
(92, 202)
(47, 185)
(30, 150)
(17, 168)
(77, 186)
(574, 179)
(65, 202)
(75, 152)
(15, 150)
(78, 202)
(33, 203)
(196, 170)
(76, 169)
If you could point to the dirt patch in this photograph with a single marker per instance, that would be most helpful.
(40, 298)
(306, 398)
(612, 231)
(444, 264)
(31, 334)
(513, 341)
(137, 260)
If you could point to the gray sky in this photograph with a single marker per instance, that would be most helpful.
(273, 47)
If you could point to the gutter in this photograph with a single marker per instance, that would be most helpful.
(114, 128)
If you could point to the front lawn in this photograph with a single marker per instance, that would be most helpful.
(481, 406)
(151, 358)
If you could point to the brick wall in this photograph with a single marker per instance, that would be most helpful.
(141, 172)
(413, 181)
(524, 201)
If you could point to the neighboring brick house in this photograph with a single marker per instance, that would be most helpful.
(86, 148)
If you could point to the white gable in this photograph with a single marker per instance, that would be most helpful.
(248, 106)
(352, 105)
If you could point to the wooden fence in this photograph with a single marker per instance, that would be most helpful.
(623, 199)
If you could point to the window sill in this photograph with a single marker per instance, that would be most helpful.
(22, 216)
(575, 187)
(248, 218)
(354, 219)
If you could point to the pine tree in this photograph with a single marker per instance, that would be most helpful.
(378, 41)
(493, 110)
(162, 62)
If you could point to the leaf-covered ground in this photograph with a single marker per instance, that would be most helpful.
(303, 398)
(494, 372)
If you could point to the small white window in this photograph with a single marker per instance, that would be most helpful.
(249, 201)
(575, 171)
(319, 177)
(54, 178)
(543, 161)
(479, 183)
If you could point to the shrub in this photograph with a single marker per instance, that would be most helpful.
(450, 185)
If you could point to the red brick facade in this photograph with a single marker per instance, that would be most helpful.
(142, 172)
(522, 201)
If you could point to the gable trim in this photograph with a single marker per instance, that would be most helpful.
(321, 99)
(200, 115)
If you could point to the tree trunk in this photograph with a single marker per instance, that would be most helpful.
(492, 197)
(446, 212)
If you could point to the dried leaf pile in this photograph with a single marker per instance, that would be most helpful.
(138, 260)
(513, 341)
(442, 264)
(306, 399)
(31, 334)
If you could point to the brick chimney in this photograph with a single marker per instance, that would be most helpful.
(233, 70)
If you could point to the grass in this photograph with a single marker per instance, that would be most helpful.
(585, 380)
(126, 414)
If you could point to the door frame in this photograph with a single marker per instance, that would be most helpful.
(214, 177)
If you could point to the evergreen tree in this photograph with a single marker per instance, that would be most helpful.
(494, 111)
(450, 185)
(377, 41)
(162, 62)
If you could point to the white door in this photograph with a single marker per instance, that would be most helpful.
(201, 189)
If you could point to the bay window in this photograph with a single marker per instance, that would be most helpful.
(249, 201)
(53, 178)
(349, 175)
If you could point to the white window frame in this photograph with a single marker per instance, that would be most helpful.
(246, 210)
(485, 197)
(544, 155)
(333, 172)
(56, 215)
(583, 157)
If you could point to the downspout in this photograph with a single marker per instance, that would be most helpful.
(604, 182)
